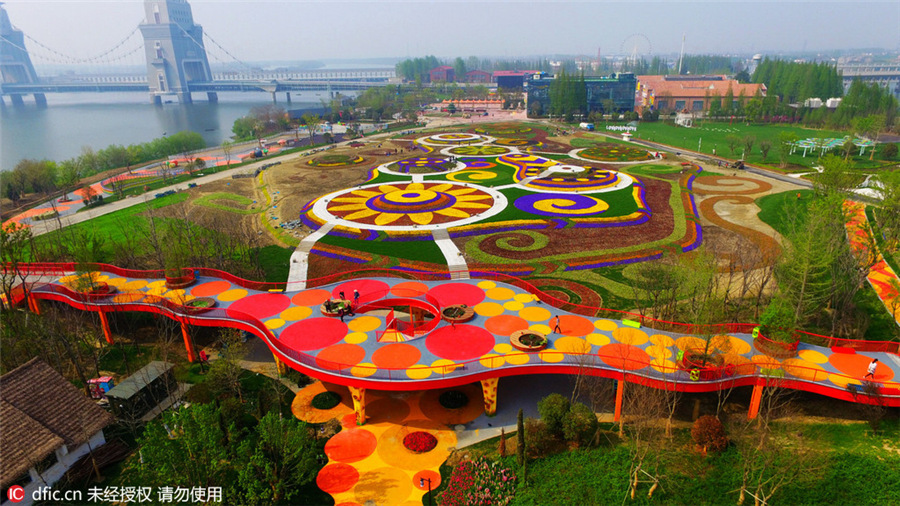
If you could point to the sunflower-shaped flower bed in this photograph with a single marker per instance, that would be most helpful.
(419, 442)
(179, 278)
(333, 307)
(199, 305)
(528, 340)
(335, 160)
(702, 366)
(457, 313)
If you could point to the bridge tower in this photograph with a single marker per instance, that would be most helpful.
(15, 63)
(176, 56)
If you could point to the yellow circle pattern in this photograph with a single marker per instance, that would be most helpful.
(356, 337)
(598, 339)
(295, 313)
(364, 324)
(513, 305)
(486, 285)
(606, 325)
(274, 323)
(488, 309)
(813, 356)
(363, 370)
(232, 295)
(535, 314)
(573, 345)
(500, 293)
(628, 335)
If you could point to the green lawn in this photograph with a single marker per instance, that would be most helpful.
(708, 135)
(778, 209)
(210, 201)
(851, 467)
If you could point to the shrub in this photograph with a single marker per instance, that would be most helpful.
(541, 441)
(889, 151)
(580, 424)
(553, 409)
(453, 399)
(419, 442)
(479, 482)
(777, 321)
(326, 400)
(709, 434)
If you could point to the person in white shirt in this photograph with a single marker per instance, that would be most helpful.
(871, 370)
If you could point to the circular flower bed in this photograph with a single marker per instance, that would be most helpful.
(326, 400)
(199, 305)
(453, 399)
(528, 340)
(419, 442)
(457, 313)
(615, 153)
(335, 160)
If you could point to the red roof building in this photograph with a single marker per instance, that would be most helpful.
(689, 93)
(478, 76)
(444, 73)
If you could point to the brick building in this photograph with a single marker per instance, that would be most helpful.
(689, 93)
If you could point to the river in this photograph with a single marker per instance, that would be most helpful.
(73, 120)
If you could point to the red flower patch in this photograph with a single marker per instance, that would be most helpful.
(419, 442)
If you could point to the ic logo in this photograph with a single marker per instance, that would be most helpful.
(15, 493)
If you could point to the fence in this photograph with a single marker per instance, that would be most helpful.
(590, 311)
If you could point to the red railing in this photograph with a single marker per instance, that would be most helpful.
(684, 328)
(618, 365)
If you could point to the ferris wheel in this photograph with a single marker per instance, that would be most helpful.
(636, 47)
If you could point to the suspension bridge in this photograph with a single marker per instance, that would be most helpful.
(174, 51)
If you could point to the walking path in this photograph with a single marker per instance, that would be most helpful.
(437, 354)
(881, 276)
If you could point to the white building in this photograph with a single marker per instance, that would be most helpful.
(46, 426)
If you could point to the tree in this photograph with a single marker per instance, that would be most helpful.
(786, 142)
(520, 439)
(732, 141)
(246, 127)
(836, 175)
(282, 460)
(553, 409)
(749, 140)
(225, 372)
(764, 146)
(312, 123)
(889, 152)
(459, 69)
(227, 148)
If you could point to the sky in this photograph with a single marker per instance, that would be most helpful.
(257, 30)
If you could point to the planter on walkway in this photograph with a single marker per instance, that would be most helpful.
(179, 278)
(333, 307)
(528, 340)
(457, 313)
(775, 349)
(199, 305)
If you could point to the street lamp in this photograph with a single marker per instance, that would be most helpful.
(422, 485)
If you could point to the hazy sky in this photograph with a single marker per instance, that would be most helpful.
(305, 30)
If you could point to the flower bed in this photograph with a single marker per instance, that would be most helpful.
(419, 442)
(703, 366)
(335, 160)
(326, 400)
(179, 278)
(773, 348)
(480, 482)
(615, 153)
(457, 313)
(528, 340)
(336, 306)
(453, 399)
(199, 305)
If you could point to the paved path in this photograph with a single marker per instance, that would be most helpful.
(436, 354)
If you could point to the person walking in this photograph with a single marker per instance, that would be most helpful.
(871, 369)
(343, 297)
(556, 327)
(355, 297)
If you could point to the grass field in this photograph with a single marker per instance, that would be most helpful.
(708, 135)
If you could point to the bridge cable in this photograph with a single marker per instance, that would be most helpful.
(72, 59)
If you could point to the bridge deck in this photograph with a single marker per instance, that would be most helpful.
(364, 352)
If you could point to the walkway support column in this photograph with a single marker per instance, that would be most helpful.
(489, 391)
(620, 394)
(188, 343)
(104, 323)
(755, 399)
(359, 404)
(33, 304)
(279, 365)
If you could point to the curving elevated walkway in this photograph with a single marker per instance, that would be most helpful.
(378, 348)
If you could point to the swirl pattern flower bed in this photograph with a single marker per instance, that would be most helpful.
(335, 160)
(419, 442)
(615, 153)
